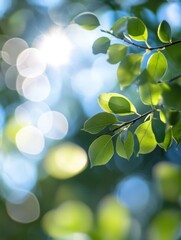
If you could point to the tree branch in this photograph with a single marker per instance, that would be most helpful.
(140, 46)
(174, 78)
(134, 120)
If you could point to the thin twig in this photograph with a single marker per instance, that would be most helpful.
(140, 46)
(174, 78)
(134, 120)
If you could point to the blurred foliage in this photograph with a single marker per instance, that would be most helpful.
(47, 188)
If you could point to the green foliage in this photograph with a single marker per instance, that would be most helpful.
(101, 45)
(116, 103)
(146, 137)
(157, 65)
(116, 53)
(125, 144)
(147, 67)
(164, 32)
(137, 29)
(101, 150)
(87, 20)
(98, 122)
(129, 69)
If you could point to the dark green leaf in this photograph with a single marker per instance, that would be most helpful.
(158, 129)
(167, 140)
(116, 103)
(137, 29)
(164, 32)
(98, 122)
(101, 45)
(157, 65)
(146, 137)
(172, 96)
(125, 144)
(116, 53)
(177, 132)
(129, 69)
(87, 20)
(101, 150)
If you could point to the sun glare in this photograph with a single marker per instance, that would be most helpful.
(55, 47)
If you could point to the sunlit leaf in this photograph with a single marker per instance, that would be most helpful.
(101, 150)
(98, 122)
(116, 103)
(129, 69)
(157, 65)
(87, 20)
(116, 53)
(113, 219)
(137, 29)
(120, 27)
(167, 142)
(158, 129)
(150, 92)
(164, 32)
(146, 137)
(125, 146)
(101, 45)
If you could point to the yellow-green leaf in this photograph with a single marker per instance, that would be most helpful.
(146, 137)
(116, 53)
(129, 69)
(157, 65)
(116, 103)
(101, 150)
(125, 146)
(137, 29)
(164, 32)
(150, 92)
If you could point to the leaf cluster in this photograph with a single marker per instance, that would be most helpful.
(143, 65)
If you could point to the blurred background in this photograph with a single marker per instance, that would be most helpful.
(49, 84)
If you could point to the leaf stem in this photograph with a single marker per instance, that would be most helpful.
(134, 120)
(140, 46)
(174, 78)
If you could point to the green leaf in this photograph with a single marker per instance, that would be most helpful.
(129, 69)
(172, 96)
(157, 65)
(158, 129)
(98, 122)
(164, 32)
(125, 145)
(101, 45)
(120, 27)
(167, 140)
(137, 29)
(116, 103)
(150, 92)
(116, 53)
(146, 137)
(87, 20)
(177, 132)
(101, 150)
